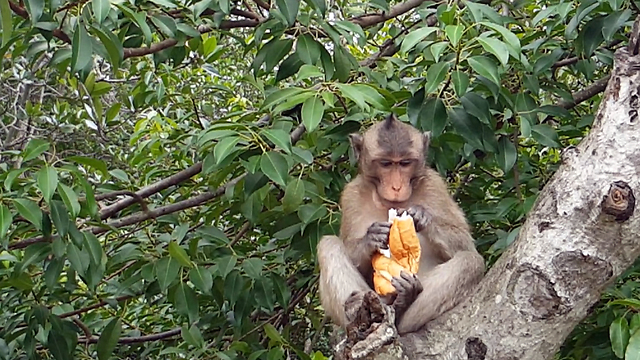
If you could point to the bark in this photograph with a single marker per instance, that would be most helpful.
(580, 235)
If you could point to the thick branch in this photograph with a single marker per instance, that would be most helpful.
(581, 234)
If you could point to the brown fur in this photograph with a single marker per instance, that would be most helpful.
(450, 266)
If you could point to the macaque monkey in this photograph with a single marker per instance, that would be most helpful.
(392, 173)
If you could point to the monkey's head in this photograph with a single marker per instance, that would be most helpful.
(391, 156)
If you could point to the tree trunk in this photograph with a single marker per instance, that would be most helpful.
(580, 235)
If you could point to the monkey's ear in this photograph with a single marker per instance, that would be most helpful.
(426, 140)
(356, 143)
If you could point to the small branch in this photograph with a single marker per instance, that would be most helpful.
(136, 339)
(574, 59)
(296, 134)
(585, 94)
(152, 189)
(240, 234)
(91, 307)
(368, 20)
(20, 11)
(389, 47)
(263, 4)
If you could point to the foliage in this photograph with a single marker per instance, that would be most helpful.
(168, 166)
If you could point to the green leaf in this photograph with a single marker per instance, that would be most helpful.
(271, 53)
(433, 116)
(293, 195)
(273, 334)
(460, 82)
(201, 278)
(289, 8)
(507, 154)
(275, 166)
(310, 212)
(186, 301)
(619, 334)
(6, 218)
(308, 49)
(34, 148)
(79, 261)
(435, 76)
(253, 267)
(115, 51)
(512, 39)
(92, 244)
(60, 217)
(35, 9)
(70, 199)
(109, 339)
(52, 273)
(414, 37)
(192, 336)
(167, 270)
(454, 33)
(468, 126)
(279, 137)
(312, 112)
(166, 24)
(29, 210)
(613, 22)
(179, 254)
(93, 163)
(6, 23)
(234, 284)
(57, 344)
(289, 67)
(545, 135)
(47, 181)
(100, 9)
(477, 106)
(263, 292)
(633, 349)
(319, 5)
(224, 148)
(634, 325)
(226, 264)
(497, 48)
(485, 67)
(81, 48)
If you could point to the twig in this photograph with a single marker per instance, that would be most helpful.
(585, 94)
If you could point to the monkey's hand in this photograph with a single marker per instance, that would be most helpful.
(408, 287)
(377, 237)
(420, 215)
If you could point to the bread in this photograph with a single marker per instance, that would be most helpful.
(404, 249)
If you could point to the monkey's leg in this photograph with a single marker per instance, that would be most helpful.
(339, 278)
(444, 287)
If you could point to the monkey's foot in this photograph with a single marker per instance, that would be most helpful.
(371, 324)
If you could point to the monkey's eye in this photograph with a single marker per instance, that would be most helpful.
(385, 163)
(405, 163)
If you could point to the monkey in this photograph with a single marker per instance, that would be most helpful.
(392, 173)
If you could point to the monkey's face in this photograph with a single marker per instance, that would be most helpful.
(393, 178)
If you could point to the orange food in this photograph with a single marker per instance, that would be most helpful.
(404, 246)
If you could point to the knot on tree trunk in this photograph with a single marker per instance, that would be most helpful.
(619, 202)
(371, 326)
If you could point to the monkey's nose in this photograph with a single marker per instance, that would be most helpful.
(396, 188)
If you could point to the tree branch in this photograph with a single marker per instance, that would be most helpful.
(586, 93)
(137, 339)
(368, 20)
(296, 134)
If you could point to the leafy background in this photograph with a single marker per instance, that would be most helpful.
(168, 166)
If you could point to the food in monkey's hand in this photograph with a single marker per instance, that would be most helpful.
(403, 253)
